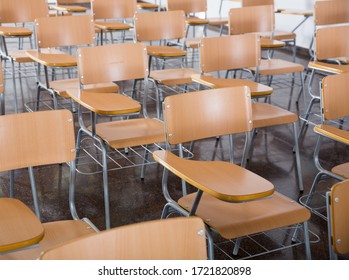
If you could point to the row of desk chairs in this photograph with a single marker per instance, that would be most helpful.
(282, 212)
(283, 116)
(99, 110)
(23, 57)
(337, 195)
(40, 57)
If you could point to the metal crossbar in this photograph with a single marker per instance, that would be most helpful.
(263, 243)
(89, 158)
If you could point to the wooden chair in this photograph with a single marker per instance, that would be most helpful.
(171, 239)
(223, 54)
(229, 198)
(162, 39)
(327, 13)
(248, 19)
(331, 20)
(196, 16)
(241, 52)
(168, 28)
(70, 6)
(288, 37)
(337, 205)
(191, 9)
(334, 103)
(57, 51)
(113, 16)
(261, 19)
(114, 62)
(16, 19)
(45, 144)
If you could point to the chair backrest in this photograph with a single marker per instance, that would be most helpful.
(34, 139)
(175, 238)
(331, 12)
(155, 26)
(339, 205)
(114, 62)
(113, 9)
(65, 31)
(12, 11)
(332, 42)
(335, 99)
(189, 7)
(251, 19)
(247, 3)
(229, 52)
(204, 114)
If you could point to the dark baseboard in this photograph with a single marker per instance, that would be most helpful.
(304, 52)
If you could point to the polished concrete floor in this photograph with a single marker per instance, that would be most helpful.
(134, 200)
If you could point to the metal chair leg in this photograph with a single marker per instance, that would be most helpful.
(307, 240)
(34, 192)
(298, 159)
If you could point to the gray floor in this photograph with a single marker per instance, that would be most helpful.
(134, 200)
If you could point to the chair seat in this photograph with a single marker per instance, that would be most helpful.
(52, 58)
(165, 51)
(145, 6)
(264, 115)
(234, 220)
(104, 103)
(131, 133)
(257, 89)
(68, 8)
(278, 67)
(221, 179)
(218, 21)
(283, 35)
(341, 170)
(13, 31)
(332, 132)
(171, 77)
(267, 43)
(55, 234)
(328, 67)
(196, 21)
(279, 35)
(305, 13)
(112, 25)
(19, 227)
(20, 56)
(60, 87)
